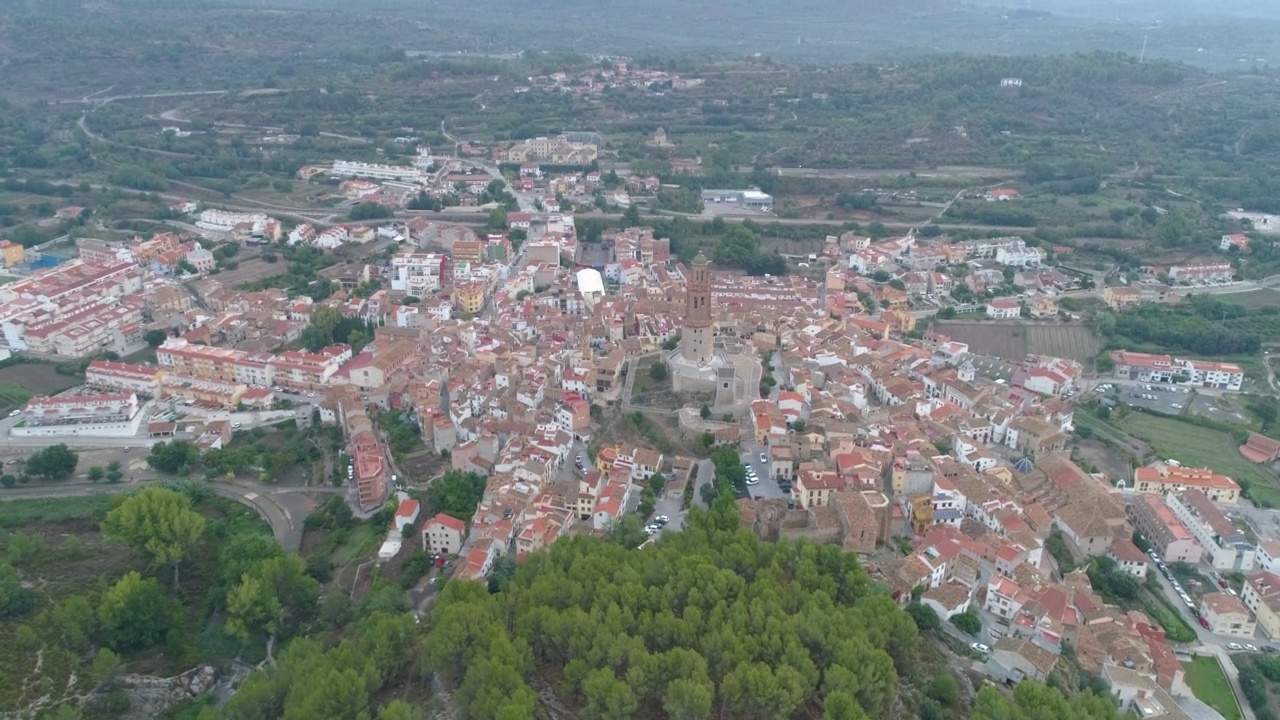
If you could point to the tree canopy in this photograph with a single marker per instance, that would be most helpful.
(174, 457)
(158, 523)
(456, 494)
(53, 463)
(710, 617)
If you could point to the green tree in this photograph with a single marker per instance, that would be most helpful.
(106, 666)
(399, 710)
(607, 696)
(842, 706)
(114, 473)
(498, 218)
(252, 606)
(158, 523)
(369, 211)
(155, 338)
(74, 616)
(53, 463)
(173, 457)
(134, 613)
(456, 494)
(687, 699)
(658, 371)
(96, 473)
(967, 621)
(737, 247)
(925, 617)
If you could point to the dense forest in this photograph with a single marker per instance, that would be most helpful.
(707, 623)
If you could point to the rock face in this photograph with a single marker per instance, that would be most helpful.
(151, 696)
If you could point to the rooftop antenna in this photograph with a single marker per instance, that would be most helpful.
(1143, 55)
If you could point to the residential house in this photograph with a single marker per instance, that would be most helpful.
(1128, 557)
(1261, 595)
(1004, 309)
(444, 535)
(1226, 615)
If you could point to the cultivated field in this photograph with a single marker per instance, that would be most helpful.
(18, 383)
(249, 270)
(1202, 447)
(1012, 341)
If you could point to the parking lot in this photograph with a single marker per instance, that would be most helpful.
(1167, 399)
(767, 487)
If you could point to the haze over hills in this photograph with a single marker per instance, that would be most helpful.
(1232, 34)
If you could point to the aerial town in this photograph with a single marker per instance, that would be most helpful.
(350, 380)
(509, 355)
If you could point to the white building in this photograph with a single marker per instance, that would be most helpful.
(417, 274)
(1004, 309)
(345, 168)
(1216, 375)
(225, 220)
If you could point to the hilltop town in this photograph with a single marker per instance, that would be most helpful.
(581, 392)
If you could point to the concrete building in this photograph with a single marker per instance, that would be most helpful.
(1166, 534)
(1227, 615)
(1226, 546)
(107, 375)
(101, 415)
(1261, 595)
(750, 198)
(1162, 477)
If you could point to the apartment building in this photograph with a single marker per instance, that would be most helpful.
(203, 392)
(1225, 546)
(181, 357)
(418, 274)
(1261, 595)
(226, 220)
(1161, 478)
(76, 409)
(101, 415)
(1166, 534)
(107, 375)
(468, 297)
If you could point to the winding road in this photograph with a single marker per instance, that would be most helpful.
(283, 508)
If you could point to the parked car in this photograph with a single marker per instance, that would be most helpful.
(1204, 622)
(764, 458)
(1250, 648)
(1234, 646)
(753, 480)
(980, 647)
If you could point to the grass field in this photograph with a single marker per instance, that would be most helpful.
(1209, 684)
(1252, 300)
(19, 382)
(1202, 447)
(18, 513)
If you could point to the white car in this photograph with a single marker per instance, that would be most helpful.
(1250, 648)
(15, 413)
(753, 480)
(980, 647)
(1234, 646)
(764, 458)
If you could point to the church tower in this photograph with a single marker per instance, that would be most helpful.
(696, 342)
